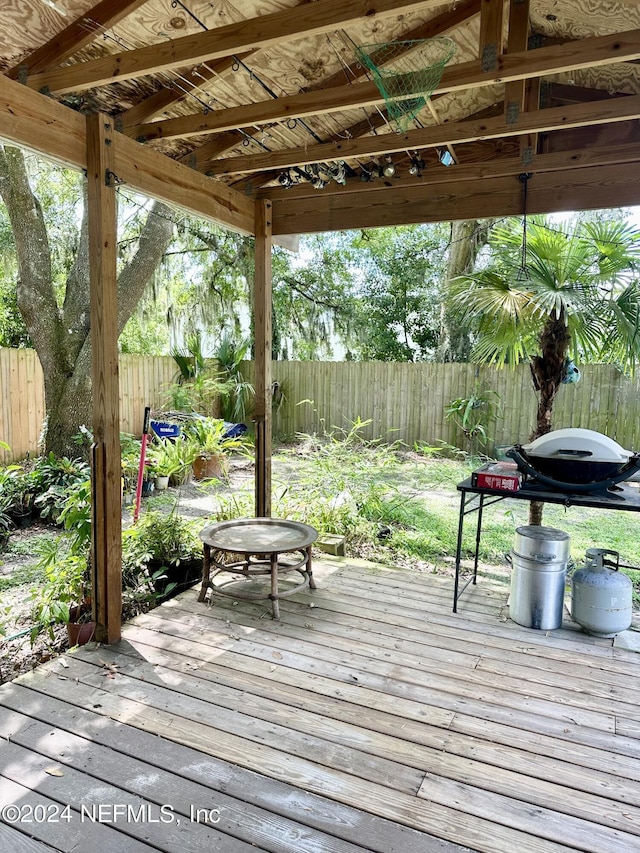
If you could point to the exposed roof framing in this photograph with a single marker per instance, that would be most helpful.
(252, 34)
(557, 118)
(253, 95)
(590, 53)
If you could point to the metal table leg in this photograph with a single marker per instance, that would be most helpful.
(478, 533)
(206, 571)
(274, 586)
(458, 552)
(312, 583)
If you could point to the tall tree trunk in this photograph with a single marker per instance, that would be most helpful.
(62, 335)
(467, 238)
(546, 371)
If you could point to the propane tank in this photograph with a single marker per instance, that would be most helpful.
(601, 595)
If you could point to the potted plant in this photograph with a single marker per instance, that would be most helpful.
(173, 459)
(162, 551)
(19, 489)
(5, 521)
(210, 436)
(474, 415)
(64, 597)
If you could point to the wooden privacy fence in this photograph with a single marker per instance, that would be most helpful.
(404, 402)
(143, 381)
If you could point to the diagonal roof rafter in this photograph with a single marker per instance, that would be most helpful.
(278, 27)
(77, 35)
(162, 100)
(599, 51)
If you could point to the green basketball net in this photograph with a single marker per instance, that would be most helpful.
(406, 73)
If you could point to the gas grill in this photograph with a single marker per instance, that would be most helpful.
(575, 460)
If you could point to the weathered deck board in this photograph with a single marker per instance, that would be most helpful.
(407, 749)
(370, 718)
(496, 706)
(16, 842)
(491, 665)
(346, 703)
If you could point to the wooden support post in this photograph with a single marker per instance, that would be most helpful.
(106, 475)
(262, 307)
(491, 19)
(517, 41)
(521, 95)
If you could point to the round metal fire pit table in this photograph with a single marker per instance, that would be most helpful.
(264, 546)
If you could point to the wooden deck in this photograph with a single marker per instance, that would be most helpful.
(370, 718)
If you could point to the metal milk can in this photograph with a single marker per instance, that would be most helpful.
(601, 595)
(539, 568)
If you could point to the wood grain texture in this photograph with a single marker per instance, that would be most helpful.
(320, 17)
(107, 468)
(555, 118)
(29, 119)
(326, 730)
(76, 35)
(514, 66)
(262, 330)
(603, 186)
(344, 391)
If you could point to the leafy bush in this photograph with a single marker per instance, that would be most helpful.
(474, 416)
(65, 562)
(158, 542)
(56, 477)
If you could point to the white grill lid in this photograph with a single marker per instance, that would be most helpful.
(576, 444)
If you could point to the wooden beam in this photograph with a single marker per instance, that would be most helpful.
(303, 104)
(517, 42)
(604, 50)
(76, 36)
(555, 118)
(282, 26)
(598, 136)
(200, 157)
(529, 142)
(582, 189)
(158, 176)
(491, 21)
(262, 307)
(41, 124)
(438, 25)
(160, 101)
(107, 468)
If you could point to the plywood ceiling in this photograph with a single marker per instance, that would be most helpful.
(251, 90)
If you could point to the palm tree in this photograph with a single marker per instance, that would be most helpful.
(560, 294)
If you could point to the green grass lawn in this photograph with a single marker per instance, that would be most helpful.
(358, 490)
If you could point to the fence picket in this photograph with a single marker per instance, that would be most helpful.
(404, 401)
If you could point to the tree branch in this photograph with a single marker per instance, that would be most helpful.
(290, 282)
(75, 310)
(36, 297)
(136, 274)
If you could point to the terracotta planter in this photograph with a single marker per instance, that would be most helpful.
(209, 467)
(80, 633)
